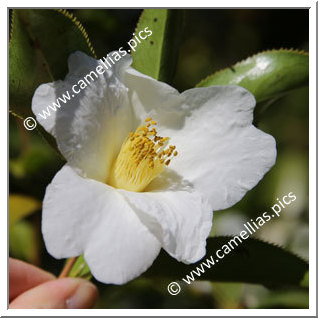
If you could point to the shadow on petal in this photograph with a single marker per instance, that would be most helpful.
(169, 180)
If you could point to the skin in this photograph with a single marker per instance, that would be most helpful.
(33, 288)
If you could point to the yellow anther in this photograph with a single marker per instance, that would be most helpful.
(175, 153)
(148, 119)
(142, 157)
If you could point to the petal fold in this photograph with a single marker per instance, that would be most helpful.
(221, 154)
(180, 220)
(85, 216)
(91, 125)
(152, 98)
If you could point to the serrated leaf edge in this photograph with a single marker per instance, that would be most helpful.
(15, 114)
(269, 243)
(285, 50)
(79, 25)
(11, 31)
(40, 50)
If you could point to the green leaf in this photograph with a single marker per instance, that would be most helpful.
(35, 162)
(252, 261)
(21, 206)
(298, 299)
(156, 56)
(227, 295)
(23, 243)
(305, 280)
(27, 69)
(41, 41)
(266, 75)
(80, 269)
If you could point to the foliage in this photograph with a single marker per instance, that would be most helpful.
(266, 75)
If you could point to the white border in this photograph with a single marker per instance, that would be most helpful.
(312, 165)
(165, 3)
(312, 156)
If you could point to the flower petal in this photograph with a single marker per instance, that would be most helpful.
(44, 95)
(152, 98)
(91, 126)
(220, 152)
(85, 216)
(180, 220)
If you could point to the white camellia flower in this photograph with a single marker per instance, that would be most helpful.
(125, 191)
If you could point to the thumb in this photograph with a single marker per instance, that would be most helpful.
(64, 293)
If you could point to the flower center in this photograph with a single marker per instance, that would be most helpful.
(142, 157)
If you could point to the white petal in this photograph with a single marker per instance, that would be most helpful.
(44, 95)
(85, 216)
(91, 126)
(220, 152)
(180, 220)
(152, 98)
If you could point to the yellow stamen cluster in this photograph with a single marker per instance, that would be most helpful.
(142, 157)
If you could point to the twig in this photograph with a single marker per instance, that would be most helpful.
(67, 268)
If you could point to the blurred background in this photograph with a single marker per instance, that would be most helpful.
(212, 40)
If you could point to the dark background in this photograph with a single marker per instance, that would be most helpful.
(212, 39)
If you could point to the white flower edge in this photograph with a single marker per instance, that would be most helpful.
(222, 156)
(119, 232)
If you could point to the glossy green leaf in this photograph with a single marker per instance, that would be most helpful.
(266, 75)
(252, 261)
(41, 41)
(157, 55)
(80, 269)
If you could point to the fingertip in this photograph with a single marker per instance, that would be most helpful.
(64, 293)
(84, 296)
(24, 276)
